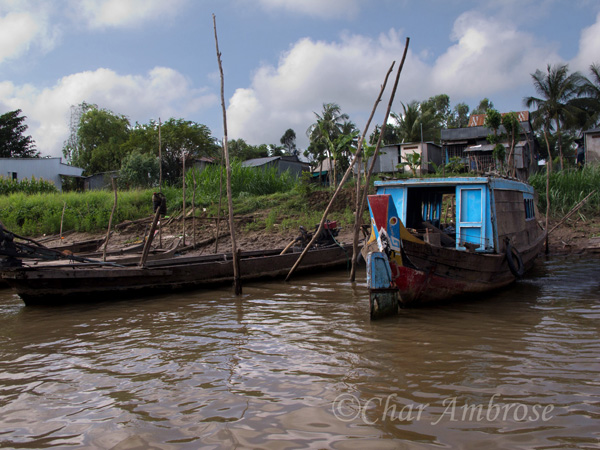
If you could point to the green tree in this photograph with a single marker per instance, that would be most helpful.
(242, 151)
(557, 90)
(13, 142)
(139, 170)
(484, 105)
(591, 102)
(493, 121)
(288, 140)
(184, 139)
(100, 134)
(511, 124)
(419, 121)
(323, 133)
(460, 116)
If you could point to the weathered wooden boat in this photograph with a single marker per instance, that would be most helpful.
(434, 239)
(48, 285)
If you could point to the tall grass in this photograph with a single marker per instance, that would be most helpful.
(245, 181)
(26, 186)
(36, 214)
(567, 188)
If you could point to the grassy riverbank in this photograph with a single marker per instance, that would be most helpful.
(89, 212)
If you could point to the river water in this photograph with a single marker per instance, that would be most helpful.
(300, 365)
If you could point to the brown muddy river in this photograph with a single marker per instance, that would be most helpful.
(299, 365)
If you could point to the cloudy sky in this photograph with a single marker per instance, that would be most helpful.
(282, 58)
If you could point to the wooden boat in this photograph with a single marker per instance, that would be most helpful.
(434, 239)
(49, 285)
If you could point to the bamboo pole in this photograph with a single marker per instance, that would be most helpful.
(193, 208)
(150, 238)
(183, 153)
(159, 157)
(159, 179)
(548, 170)
(112, 213)
(363, 202)
(220, 198)
(339, 187)
(234, 253)
(62, 218)
(573, 211)
(358, 211)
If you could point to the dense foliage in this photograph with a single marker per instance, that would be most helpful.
(13, 141)
(567, 188)
(89, 212)
(26, 186)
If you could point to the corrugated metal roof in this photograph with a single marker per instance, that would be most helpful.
(477, 120)
(259, 161)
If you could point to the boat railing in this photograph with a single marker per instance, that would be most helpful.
(472, 243)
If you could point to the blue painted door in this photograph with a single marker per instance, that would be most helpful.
(470, 213)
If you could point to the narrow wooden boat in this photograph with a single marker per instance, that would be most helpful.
(435, 239)
(49, 285)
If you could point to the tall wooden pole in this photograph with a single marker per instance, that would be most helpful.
(159, 179)
(112, 213)
(194, 208)
(548, 170)
(344, 178)
(159, 157)
(220, 198)
(358, 211)
(234, 253)
(183, 153)
(363, 202)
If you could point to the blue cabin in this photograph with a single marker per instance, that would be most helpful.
(476, 214)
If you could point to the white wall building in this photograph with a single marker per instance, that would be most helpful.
(50, 169)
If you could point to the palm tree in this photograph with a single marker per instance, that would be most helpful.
(418, 122)
(591, 88)
(327, 128)
(557, 90)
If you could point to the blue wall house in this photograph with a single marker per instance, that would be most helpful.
(50, 169)
(282, 163)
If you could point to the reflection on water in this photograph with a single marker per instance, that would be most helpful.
(299, 365)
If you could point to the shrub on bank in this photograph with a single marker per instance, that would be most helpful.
(26, 185)
(567, 188)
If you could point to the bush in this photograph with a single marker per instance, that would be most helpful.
(567, 188)
(27, 186)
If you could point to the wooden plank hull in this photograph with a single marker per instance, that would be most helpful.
(434, 274)
(81, 283)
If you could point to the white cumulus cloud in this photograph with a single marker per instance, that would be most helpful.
(349, 72)
(162, 92)
(325, 9)
(120, 13)
(489, 56)
(589, 48)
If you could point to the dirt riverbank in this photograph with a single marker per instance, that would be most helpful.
(574, 236)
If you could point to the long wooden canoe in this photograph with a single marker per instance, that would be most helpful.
(49, 285)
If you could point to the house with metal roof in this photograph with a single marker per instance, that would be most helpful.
(50, 169)
(391, 157)
(282, 163)
(471, 146)
(591, 139)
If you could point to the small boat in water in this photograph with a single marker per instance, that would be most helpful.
(85, 281)
(434, 239)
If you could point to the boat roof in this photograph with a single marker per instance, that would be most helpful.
(493, 182)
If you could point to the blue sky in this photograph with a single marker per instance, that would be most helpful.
(282, 58)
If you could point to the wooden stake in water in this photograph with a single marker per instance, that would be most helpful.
(62, 218)
(112, 213)
(237, 282)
